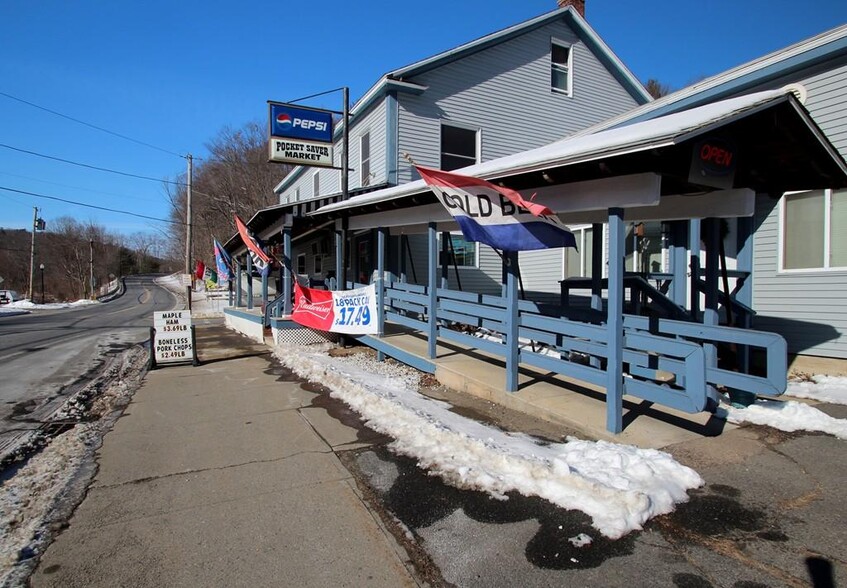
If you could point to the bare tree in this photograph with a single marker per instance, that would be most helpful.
(656, 88)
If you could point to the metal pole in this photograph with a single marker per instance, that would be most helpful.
(345, 184)
(32, 252)
(189, 245)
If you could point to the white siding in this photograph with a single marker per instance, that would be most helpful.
(330, 179)
(809, 309)
(505, 91)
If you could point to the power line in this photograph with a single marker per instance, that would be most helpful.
(104, 169)
(82, 122)
(164, 220)
(72, 187)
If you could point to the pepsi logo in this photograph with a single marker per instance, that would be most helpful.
(283, 119)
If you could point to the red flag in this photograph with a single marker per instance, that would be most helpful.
(260, 258)
(200, 270)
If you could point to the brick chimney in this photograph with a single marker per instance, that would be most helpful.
(578, 5)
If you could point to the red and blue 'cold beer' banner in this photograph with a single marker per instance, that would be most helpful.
(497, 216)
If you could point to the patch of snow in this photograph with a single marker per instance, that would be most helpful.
(619, 486)
(823, 388)
(786, 416)
(12, 311)
(30, 305)
(580, 540)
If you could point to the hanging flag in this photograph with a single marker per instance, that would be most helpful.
(222, 261)
(340, 311)
(210, 276)
(200, 270)
(496, 216)
(260, 259)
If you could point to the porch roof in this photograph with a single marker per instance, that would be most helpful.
(779, 148)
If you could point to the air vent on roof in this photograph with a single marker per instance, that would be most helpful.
(799, 91)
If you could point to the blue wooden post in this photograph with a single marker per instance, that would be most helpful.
(286, 272)
(679, 259)
(238, 297)
(403, 240)
(596, 266)
(694, 246)
(380, 284)
(265, 275)
(445, 255)
(711, 229)
(512, 318)
(614, 322)
(339, 256)
(432, 279)
(744, 263)
(249, 282)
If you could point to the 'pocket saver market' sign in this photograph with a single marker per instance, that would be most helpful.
(347, 311)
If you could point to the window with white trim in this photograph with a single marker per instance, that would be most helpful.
(365, 159)
(295, 196)
(464, 253)
(316, 184)
(459, 147)
(560, 67)
(812, 229)
(579, 259)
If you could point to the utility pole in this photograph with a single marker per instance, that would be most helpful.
(345, 188)
(188, 235)
(91, 266)
(32, 252)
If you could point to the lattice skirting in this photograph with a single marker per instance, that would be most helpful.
(302, 336)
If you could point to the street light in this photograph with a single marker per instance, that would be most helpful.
(41, 267)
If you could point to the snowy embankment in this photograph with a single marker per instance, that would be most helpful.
(619, 486)
(796, 416)
(22, 306)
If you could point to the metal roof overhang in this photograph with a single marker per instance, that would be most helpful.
(778, 146)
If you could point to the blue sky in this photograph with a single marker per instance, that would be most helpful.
(172, 74)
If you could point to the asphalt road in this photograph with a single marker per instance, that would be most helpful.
(47, 355)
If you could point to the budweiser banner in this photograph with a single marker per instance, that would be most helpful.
(347, 311)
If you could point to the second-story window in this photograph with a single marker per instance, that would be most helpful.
(365, 159)
(458, 147)
(560, 64)
(316, 185)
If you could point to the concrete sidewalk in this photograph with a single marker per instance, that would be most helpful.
(224, 475)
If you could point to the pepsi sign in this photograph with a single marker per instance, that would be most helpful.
(294, 122)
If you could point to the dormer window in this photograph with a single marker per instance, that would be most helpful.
(560, 67)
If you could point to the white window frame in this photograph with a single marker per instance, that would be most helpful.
(365, 178)
(295, 196)
(568, 68)
(316, 184)
(827, 236)
(461, 267)
(580, 234)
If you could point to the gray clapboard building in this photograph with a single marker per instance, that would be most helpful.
(513, 90)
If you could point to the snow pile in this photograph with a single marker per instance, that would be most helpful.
(29, 498)
(786, 416)
(30, 305)
(619, 486)
(823, 388)
(580, 540)
(6, 309)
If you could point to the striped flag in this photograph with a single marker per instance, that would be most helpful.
(222, 261)
(260, 259)
(497, 216)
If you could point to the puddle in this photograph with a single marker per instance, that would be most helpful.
(714, 515)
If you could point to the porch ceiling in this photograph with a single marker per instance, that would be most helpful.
(778, 147)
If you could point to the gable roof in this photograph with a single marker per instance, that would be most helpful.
(801, 56)
(397, 79)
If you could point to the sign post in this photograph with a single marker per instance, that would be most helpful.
(172, 338)
(299, 135)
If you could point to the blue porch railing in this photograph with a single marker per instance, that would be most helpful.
(664, 359)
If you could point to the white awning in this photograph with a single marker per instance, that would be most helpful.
(653, 134)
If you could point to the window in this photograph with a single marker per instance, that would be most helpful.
(813, 230)
(295, 196)
(301, 263)
(365, 159)
(463, 252)
(458, 147)
(579, 259)
(560, 67)
(316, 185)
(318, 265)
